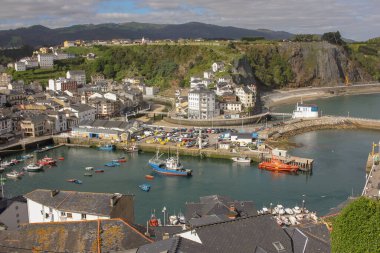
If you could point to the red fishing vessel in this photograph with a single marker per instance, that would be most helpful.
(47, 161)
(277, 165)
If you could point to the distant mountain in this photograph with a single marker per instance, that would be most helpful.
(39, 35)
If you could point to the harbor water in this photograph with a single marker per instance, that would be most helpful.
(339, 170)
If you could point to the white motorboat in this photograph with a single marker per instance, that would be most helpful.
(89, 168)
(265, 210)
(297, 210)
(33, 167)
(241, 159)
(173, 219)
(293, 220)
(181, 218)
(289, 211)
(14, 174)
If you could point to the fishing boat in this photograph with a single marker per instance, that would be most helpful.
(277, 165)
(122, 159)
(108, 147)
(75, 181)
(14, 174)
(154, 222)
(61, 158)
(149, 177)
(47, 161)
(131, 149)
(99, 171)
(241, 159)
(7, 164)
(89, 168)
(88, 174)
(169, 167)
(33, 167)
(112, 164)
(144, 187)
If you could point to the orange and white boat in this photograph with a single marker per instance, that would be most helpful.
(277, 165)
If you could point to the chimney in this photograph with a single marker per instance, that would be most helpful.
(54, 192)
(165, 236)
(232, 214)
(115, 197)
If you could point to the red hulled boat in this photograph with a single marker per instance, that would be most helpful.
(277, 165)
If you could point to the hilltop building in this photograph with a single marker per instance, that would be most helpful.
(202, 104)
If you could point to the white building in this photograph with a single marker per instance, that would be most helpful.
(202, 104)
(81, 111)
(55, 205)
(208, 75)
(231, 106)
(242, 138)
(77, 75)
(58, 120)
(45, 60)
(5, 79)
(20, 66)
(110, 96)
(245, 95)
(217, 66)
(56, 85)
(305, 111)
(30, 63)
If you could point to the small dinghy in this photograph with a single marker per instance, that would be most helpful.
(144, 187)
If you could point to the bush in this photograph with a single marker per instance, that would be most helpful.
(357, 228)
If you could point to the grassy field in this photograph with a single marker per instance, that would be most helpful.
(40, 75)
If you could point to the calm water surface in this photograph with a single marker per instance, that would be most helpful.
(362, 106)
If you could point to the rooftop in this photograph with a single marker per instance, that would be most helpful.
(72, 201)
(81, 236)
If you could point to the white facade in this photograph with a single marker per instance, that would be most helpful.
(40, 213)
(231, 106)
(60, 122)
(82, 111)
(77, 75)
(208, 75)
(20, 66)
(245, 96)
(217, 66)
(56, 85)
(202, 104)
(45, 60)
(305, 111)
(30, 62)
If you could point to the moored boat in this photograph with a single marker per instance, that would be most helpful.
(169, 167)
(277, 165)
(241, 159)
(149, 177)
(14, 174)
(75, 181)
(47, 161)
(61, 158)
(108, 147)
(88, 174)
(89, 168)
(33, 168)
(145, 187)
(99, 171)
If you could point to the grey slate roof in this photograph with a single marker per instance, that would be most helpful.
(159, 232)
(252, 234)
(310, 238)
(72, 201)
(218, 205)
(174, 245)
(81, 236)
(82, 107)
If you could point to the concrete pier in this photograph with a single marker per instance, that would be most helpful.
(372, 184)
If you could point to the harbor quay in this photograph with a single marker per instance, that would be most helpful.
(372, 185)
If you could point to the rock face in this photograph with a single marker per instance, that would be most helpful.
(312, 64)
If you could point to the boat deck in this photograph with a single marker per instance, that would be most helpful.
(305, 164)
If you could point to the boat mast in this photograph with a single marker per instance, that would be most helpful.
(2, 186)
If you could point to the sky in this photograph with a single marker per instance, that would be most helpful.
(355, 19)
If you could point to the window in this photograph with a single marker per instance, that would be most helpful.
(279, 247)
(18, 221)
(16, 207)
(69, 215)
(17, 215)
(83, 216)
(63, 214)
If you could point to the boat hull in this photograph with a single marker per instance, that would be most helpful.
(279, 168)
(164, 171)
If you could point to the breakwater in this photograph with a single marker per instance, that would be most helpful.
(297, 126)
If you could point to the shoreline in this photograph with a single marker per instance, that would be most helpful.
(285, 97)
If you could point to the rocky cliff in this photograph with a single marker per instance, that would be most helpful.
(290, 64)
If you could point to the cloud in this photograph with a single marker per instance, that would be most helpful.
(357, 19)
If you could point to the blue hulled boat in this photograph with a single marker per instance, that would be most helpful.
(168, 167)
(108, 147)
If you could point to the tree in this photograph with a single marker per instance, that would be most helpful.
(333, 38)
